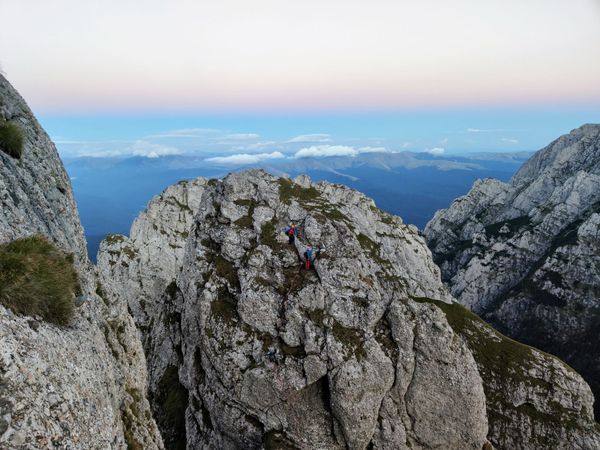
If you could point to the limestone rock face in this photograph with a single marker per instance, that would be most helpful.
(35, 191)
(366, 350)
(275, 354)
(525, 255)
(143, 269)
(82, 386)
(144, 264)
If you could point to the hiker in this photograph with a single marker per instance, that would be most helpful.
(271, 354)
(291, 232)
(308, 257)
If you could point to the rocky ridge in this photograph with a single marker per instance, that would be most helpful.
(525, 255)
(80, 386)
(367, 350)
(143, 268)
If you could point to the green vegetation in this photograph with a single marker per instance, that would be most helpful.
(100, 293)
(372, 248)
(11, 139)
(317, 316)
(310, 197)
(351, 339)
(225, 307)
(100, 290)
(114, 238)
(132, 443)
(367, 244)
(130, 252)
(37, 279)
(172, 399)
(267, 233)
(328, 211)
(136, 397)
(173, 201)
(293, 352)
(295, 278)
(246, 221)
(225, 269)
(384, 337)
(501, 354)
(289, 190)
(503, 364)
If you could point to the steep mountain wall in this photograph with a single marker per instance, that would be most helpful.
(143, 268)
(366, 350)
(525, 255)
(81, 386)
(35, 191)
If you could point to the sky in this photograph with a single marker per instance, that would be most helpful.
(126, 77)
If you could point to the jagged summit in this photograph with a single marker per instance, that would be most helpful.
(367, 351)
(526, 254)
(568, 154)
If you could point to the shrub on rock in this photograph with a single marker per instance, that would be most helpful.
(36, 278)
(11, 139)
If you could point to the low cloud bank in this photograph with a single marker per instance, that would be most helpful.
(245, 158)
(436, 151)
(323, 151)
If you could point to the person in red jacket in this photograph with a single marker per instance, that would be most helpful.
(291, 232)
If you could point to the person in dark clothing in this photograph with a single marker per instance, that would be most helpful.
(271, 354)
(291, 233)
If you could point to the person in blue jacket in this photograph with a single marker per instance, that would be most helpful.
(308, 257)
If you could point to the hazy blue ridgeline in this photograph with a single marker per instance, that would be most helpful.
(111, 193)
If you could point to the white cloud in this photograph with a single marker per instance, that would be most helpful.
(99, 154)
(240, 137)
(323, 151)
(320, 151)
(479, 130)
(436, 151)
(139, 148)
(245, 158)
(310, 138)
(150, 150)
(444, 141)
(510, 141)
(256, 145)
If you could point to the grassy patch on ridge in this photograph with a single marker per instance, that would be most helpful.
(36, 278)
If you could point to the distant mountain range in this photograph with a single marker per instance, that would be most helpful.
(111, 191)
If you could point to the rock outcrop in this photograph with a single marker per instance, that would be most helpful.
(82, 386)
(525, 255)
(35, 191)
(143, 268)
(367, 350)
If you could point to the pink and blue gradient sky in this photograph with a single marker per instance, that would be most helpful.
(73, 55)
(267, 57)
